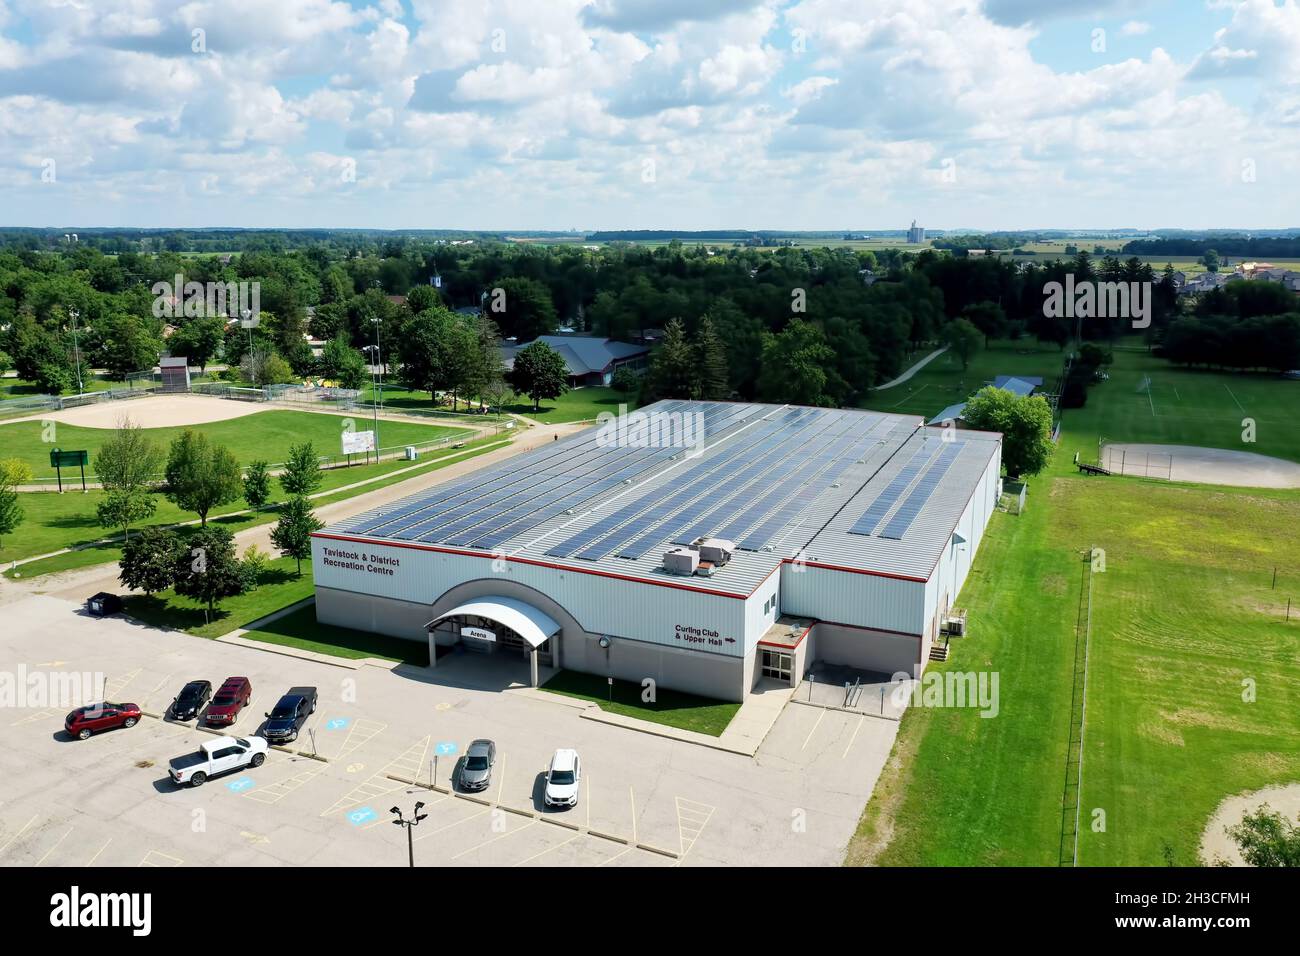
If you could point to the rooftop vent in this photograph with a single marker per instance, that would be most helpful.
(681, 561)
(716, 551)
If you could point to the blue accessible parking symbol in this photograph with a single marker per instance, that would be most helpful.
(338, 723)
(361, 815)
(240, 785)
(445, 748)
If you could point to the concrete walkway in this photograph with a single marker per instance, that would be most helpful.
(912, 371)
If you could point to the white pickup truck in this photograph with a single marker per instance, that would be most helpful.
(216, 757)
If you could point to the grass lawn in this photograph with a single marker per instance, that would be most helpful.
(686, 711)
(1149, 400)
(279, 586)
(265, 435)
(300, 629)
(54, 521)
(943, 382)
(576, 405)
(1182, 616)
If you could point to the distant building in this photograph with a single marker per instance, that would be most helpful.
(590, 360)
(916, 234)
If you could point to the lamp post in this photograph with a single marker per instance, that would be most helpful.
(411, 824)
(76, 349)
(378, 398)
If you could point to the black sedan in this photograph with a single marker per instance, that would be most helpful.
(191, 700)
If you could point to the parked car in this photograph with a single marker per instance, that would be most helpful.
(189, 702)
(288, 716)
(93, 718)
(562, 779)
(231, 698)
(476, 772)
(103, 604)
(215, 757)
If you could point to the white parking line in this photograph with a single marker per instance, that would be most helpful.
(509, 833)
(814, 729)
(56, 846)
(576, 836)
(92, 860)
(622, 852)
(472, 816)
(849, 745)
(10, 841)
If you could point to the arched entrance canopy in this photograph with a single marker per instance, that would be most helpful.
(524, 619)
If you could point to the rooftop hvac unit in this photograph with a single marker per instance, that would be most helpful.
(716, 550)
(681, 561)
(706, 569)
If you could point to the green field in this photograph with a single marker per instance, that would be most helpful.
(943, 382)
(1183, 613)
(703, 715)
(278, 586)
(300, 629)
(266, 435)
(54, 521)
(576, 405)
(1149, 400)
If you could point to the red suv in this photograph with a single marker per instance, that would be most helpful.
(232, 697)
(93, 718)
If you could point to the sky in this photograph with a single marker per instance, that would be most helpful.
(650, 114)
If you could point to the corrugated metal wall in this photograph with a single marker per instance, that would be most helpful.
(644, 612)
(844, 597)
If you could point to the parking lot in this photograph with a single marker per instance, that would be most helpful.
(645, 800)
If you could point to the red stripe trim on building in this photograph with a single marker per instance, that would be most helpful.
(388, 543)
(874, 574)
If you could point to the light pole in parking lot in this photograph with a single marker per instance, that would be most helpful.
(411, 824)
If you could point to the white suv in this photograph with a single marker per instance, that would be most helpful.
(562, 779)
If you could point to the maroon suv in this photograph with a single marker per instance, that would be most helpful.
(93, 718)
(232, 697)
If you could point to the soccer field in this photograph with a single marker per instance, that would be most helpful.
(267, 435)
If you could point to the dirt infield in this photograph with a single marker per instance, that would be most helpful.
(1217, 845)
(156, 411)
(1211, 466)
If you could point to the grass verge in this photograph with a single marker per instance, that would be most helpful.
(704, 715)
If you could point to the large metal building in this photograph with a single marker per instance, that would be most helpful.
(703, 545)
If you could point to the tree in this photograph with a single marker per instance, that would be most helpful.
(988, 317)
(712, 374)
(292, 533)
(149, 560)
(263, 367)
(963, 339)
(1210, 260)
(301, 475)
(794, 365)
(13, 472)
(437, 352)
(342, 363)
(127, 345)
(1025, 422)
(207, 569)
(673, 371)
(199, 340)
(523, 308)
(539, 372)
(126, 466)
(257, 484)
(201, 475)
(1266, 838)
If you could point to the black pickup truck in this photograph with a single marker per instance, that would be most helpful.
(287, 717)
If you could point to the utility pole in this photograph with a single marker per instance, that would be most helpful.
(411, 824)
(76, 350)
(378, 398)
